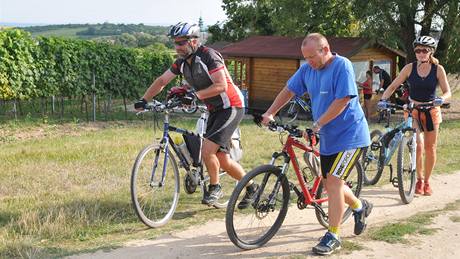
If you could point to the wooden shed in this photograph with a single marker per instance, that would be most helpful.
(263, 64)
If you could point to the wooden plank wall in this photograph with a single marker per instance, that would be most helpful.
(268, 76)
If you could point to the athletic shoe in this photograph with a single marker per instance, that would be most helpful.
(427, 189)
(214, 194)
(419, 186)
(248, 198)
(327, 245)
(360, 217)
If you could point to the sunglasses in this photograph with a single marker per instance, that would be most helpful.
(418, 51)
(181, 43)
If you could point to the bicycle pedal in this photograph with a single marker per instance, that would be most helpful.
(394, 182)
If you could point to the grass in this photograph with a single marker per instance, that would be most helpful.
(418, 224)
(65, 187)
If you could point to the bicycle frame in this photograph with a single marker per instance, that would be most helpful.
(289, 155)
(303, 104)
(400, 129)
(167, 142)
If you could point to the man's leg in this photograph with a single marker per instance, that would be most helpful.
(209, 155)
(233, 168)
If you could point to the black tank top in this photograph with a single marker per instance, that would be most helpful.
(422, 89)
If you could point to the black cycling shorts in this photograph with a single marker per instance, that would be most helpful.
(340, 164)
(221, 125)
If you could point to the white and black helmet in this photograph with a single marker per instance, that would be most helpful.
(184, 29)
(425, 41)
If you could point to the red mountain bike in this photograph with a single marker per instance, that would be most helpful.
(253, 226)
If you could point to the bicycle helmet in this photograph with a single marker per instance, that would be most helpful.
(425, 41)
(184, 29)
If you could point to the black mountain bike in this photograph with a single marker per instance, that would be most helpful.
(155, 178)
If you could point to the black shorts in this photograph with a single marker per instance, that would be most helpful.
(367, 96)
(340, 164)
(221, 125)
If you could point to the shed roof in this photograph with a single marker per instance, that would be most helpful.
(285, 47)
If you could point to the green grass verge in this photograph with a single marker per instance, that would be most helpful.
(418, 224)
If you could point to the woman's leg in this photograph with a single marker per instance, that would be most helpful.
(430, 140)
(419, 155)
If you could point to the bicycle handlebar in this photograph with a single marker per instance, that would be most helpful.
(411, 106)
(293, 131)
(167, 105)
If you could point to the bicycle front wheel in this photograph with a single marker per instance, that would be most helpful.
(354, 182)
(252, 226)
(155, 197)
(406, 168)
(372, 160)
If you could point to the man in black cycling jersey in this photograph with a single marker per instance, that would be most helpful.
(204, 70)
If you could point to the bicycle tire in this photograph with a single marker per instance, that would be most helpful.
(289, 113)
(154, 205)
(406, 169)
(372, 160)
(354, 181)
(261, 219)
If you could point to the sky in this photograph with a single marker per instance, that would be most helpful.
(156, 12)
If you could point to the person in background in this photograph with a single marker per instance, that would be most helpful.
(384, 77)
(367, 92)
(329, 80)
(423, 77)
(204, 70)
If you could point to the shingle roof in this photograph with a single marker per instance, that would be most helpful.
(285, 47)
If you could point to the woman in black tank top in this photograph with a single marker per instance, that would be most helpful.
(423, 77)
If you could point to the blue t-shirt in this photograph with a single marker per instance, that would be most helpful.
(349, 129)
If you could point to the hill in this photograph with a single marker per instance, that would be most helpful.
(89, 31)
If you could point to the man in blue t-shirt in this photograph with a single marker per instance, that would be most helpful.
(329, 80)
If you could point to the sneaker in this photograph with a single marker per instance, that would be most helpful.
(419, 186)
(327, 245)
(214, 193)
(248, 198)
(427, 189)
(360, 217)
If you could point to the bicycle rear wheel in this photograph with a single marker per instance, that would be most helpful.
(154, 202)
(354, 182)
(406, 168)
(289, 113)
(372, 159)
(253, 226)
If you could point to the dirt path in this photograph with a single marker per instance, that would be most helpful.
(301, 231)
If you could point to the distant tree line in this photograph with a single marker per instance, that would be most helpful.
(44, 67)
(107, 29)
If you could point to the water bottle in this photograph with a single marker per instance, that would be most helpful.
(393, 145)
(179, 141)
(313, 163)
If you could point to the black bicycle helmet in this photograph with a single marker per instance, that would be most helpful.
(425, 41)
(184, 29)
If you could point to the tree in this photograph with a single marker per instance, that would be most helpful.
(398, 22)
(284, 17)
